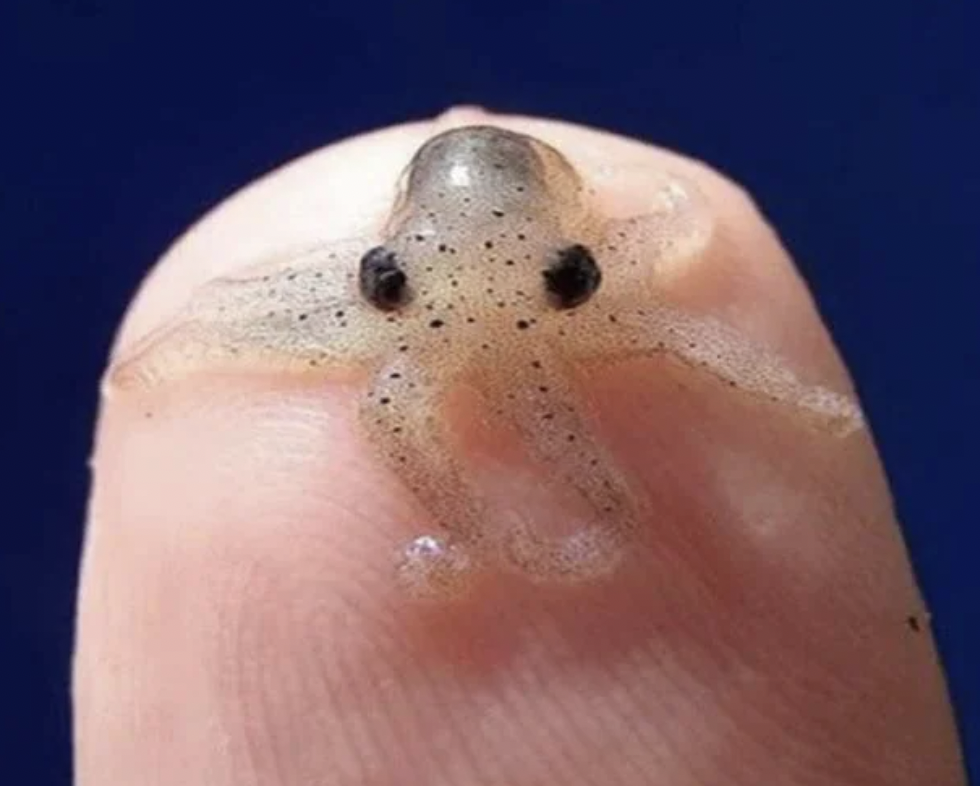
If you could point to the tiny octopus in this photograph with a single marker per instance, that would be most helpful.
(495, 270)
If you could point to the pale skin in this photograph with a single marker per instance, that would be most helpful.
(719, 592)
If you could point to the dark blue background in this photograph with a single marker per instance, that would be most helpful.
(854, 123)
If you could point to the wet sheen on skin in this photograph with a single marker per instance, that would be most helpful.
(495, 268)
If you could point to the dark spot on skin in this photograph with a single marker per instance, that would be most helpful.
(488, 244)
(381, 280)
(396, 430)
(535, 364)
(913, 623)
(384, 400)
(442, 248)
(523, 324)
(498, 213)
(573, 277)
(570, 437)
(303, 317)
(394, 375)
(436, 323)
(543, 388)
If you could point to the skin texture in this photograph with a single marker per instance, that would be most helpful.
(238, 621)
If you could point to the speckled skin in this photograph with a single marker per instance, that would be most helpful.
(481, 213)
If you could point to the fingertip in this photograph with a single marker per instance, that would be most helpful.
(241, 537)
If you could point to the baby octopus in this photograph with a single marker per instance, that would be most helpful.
(493, 269)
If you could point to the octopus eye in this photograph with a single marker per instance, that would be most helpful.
(572, 277)
(383, 283)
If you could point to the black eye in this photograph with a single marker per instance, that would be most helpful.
(382, 282)
(572, 277)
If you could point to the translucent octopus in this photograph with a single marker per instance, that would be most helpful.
(495, 270)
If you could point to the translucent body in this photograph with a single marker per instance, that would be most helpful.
(481, 214)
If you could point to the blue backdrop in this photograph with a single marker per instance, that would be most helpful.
(854, 123)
